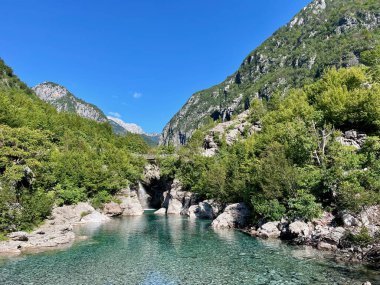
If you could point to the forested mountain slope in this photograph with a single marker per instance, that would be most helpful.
(325, 33)
(49, 157)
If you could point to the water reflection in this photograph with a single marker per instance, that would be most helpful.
(174, 250)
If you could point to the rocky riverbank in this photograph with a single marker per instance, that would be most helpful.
(351, 237)
(55, 232)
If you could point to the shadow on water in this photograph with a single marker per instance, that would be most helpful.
(159, 250)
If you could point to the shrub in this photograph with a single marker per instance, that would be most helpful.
(270, 210)
(304, 206)
(101, 198)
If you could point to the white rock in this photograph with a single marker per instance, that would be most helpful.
(94, 217)
(235, 215)
(161, 211)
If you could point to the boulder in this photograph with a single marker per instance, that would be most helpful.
(151, 173)
(94, 217)
(269, 230)
(335, 235)
(71, 214)
(373, 256)
(161, 211)
(18, 236)
(217, 207)
(234, 216)
(112, 209)
(349, 220)
(174, 207)
(131, 205)
(326, 246)
(300, 229)
(201, 211)
(370, 216)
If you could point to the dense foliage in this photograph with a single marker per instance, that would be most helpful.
(297, 166)
(50, 158)
(319, 37)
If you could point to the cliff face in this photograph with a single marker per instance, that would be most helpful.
(64, 101)
(325, 33)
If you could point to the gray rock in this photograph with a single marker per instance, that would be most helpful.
(175, 207)
(131, 205)
(94, 217)
(202, 211)
(161, 211)
(349, 220)
(326, 246)
(55, 232)
(234, 216)
(18, 236)
(269, 230)
(336, 235)
(112, 209)
(300, 229)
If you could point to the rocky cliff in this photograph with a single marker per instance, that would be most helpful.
(325, 33)
(64, 101)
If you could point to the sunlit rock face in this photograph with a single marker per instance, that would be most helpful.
(294, 55)
(64, 101)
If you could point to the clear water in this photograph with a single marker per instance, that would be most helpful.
(173, 250)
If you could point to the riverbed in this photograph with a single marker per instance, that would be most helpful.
(174, 250)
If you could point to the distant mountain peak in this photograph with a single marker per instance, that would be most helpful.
(64, 101)
(129, 127)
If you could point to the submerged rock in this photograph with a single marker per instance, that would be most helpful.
(234, 216)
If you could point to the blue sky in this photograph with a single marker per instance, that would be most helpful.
(141, 59)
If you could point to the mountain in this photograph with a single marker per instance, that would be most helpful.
(121, 127)
(127, 127)
(9, 80)
(325, 33)
(65, 101)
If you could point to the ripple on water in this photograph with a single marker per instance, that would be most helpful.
(174, 250)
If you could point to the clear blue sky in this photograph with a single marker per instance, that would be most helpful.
(140, 58)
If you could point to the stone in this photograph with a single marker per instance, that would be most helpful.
(300, 229)
(336, 235)
(18, 236)
(161, 211)
(112, 209)
(175, 207)
(94, 217)
(234, 216)
(57, 231)
(201, 211)
(131, 205)
(373, 256)
(349, 220)
(326, 246)
(151, 173)
(269, 230)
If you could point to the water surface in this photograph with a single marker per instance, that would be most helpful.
(173, 250)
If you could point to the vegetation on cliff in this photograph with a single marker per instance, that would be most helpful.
(297, 165)
(47, 157)
(324, 34)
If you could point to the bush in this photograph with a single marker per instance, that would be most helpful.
(70, 195)
(101, 198)
(362, 238)
(269, 210)
(304, 207)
